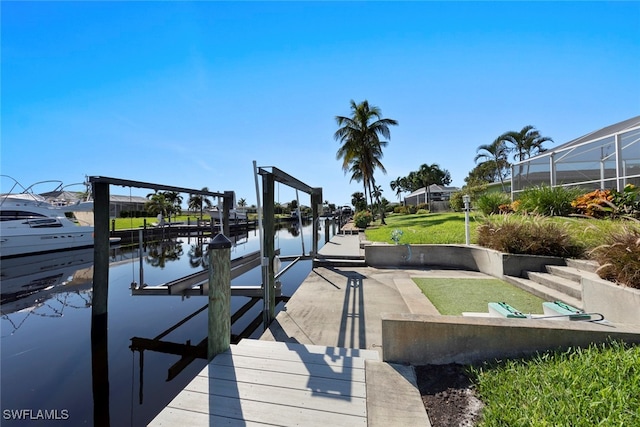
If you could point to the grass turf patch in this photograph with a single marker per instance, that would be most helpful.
(454, 296)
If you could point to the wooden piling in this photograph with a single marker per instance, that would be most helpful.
(227, 206)
(268, 222)
(99, 307)
(326, 230)
(316, 208)
(219, 296)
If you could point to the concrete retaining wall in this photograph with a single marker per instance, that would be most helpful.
(616, 303)
(474, 258)
(421, 339)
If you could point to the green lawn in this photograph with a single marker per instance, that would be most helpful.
(577, 388)
(437, 228)
(449, 228)
(455, 296)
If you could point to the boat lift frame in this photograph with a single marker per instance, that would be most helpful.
(270, 175)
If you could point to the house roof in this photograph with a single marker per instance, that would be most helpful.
(613, 129)
(127, 199)
(434, 188)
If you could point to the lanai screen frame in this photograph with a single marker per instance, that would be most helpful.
(608, 162)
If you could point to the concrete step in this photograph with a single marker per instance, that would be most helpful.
(339, 262)
(583, 264)
(544, 292)
(569, 272)
(561, 284)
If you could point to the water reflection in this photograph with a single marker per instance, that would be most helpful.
(162, 252)
(44, 285)
(53, 357)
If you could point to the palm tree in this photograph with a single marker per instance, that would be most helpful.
(432, 174)
(527, 142)
(377, 193)
(175, 200)
(157, 204)
(198, 201)
(497, 153)
(358, 201)
(396, 185)
(361, 148)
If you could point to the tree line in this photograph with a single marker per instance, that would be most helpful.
(364, 134)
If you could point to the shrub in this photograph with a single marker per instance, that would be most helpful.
(593, 204)
(619, 257)
(422, 212)
(362, 219)
(505, 209)
(422, 207)
(456, 202)
(489, 203)
(548, 201)
(627, 202)
(527, 235)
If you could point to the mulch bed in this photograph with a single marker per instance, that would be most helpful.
(448, 395)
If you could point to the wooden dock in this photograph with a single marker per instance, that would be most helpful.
(301, 372)
(259, 383)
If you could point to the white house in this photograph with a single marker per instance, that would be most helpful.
(436, 193)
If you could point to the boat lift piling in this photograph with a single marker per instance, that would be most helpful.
(269, 177)
(219, 296)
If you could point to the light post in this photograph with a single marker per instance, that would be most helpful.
(467, 200)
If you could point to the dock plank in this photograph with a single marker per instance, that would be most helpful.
(333, 352)
(270, 383)
(294, 381)
(183, 417)
(313, 369)
(278, 395)
(255, 411)
(298, 353)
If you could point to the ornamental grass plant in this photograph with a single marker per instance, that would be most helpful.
(531, 235)
(619, 256)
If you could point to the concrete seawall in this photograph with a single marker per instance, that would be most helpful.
(421, 339)
(472, 258)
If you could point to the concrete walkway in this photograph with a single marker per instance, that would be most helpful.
(342, 306)
(345, 245)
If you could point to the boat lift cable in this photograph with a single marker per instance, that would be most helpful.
(264, 265)
(300, 222)
(133, 269)
(220, 208)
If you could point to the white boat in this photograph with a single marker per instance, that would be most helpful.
(29, 224)
(234, 214)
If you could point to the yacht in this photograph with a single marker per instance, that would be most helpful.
(29, 224)
(235, 214)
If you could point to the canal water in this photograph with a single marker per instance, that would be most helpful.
(45, 345)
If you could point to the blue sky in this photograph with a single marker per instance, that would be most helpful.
(190, 93)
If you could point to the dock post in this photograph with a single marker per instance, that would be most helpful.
(219, 296)
(326, 230)
(268, 224)
(316, 205)
(99, 305)
(227, 206)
